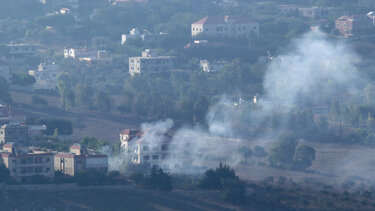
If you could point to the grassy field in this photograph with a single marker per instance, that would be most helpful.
(50, 197)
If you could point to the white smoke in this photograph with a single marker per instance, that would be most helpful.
(315, 71)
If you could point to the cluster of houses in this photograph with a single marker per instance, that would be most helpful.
(25, 161)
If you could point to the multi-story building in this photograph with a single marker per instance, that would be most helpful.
(80, 159)
(45, 76)
(15, 133)
(149, 62)
(287, 9)
(145, 36)
(22, 49)
(76, 53)
(152, 147)
(353, 25)
(100, 57)
(225, 26)
(313, 12)
(25, 163)
(5, 71)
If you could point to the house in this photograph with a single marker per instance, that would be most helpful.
(45, 76)
(307, 12)
(72, 4)
(16, 133)
(225, 26)
(152, 147)
(145, 36)
(149, 62)
(76, 53)
(35, 131)
(80, 159)
(288, 9)
(126, 135)
(214, 66)
(313, 12)
(353, 25)
(26, 163)
(22, 49)
(126, 2)
(100, 57)
(5, 71)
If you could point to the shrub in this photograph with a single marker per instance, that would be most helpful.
(137, 177)
(158, 180)
(212, 179)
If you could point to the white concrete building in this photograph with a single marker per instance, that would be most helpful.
(72, 4)
(100, 57)
(225, 26)
(214, 66)
(144, 35)
(152, 147)
(149, 62)
(45, 76)
(5, 71)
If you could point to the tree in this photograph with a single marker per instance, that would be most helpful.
(158, 180)
(103, 102)
(246, 152)
(282, 153)
(303, 157)
(4, 173)
(212, 179)
(200, 108)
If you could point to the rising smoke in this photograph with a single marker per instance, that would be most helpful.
(313, 72)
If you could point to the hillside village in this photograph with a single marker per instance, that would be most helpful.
(113, 92)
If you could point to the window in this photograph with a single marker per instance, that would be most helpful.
(225, 29)
(164, 147)
(48, 159)
(48, 169)
(146, 157)
(220, 28)
(155, 148)
(155, 157)
(145, 148)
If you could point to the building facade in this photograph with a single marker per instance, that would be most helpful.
(151, 147)
(45, 76)
(15, 133)
(225, 26)
(215, 66)
(80, 159)
(353, 25)
(25, 164)
(150, 62)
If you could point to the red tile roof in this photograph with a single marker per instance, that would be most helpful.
(223, 19)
